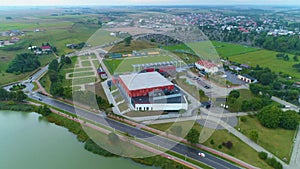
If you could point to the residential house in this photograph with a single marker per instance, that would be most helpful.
(207, 66)
(247, 78)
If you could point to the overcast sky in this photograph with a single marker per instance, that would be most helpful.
(143, 2)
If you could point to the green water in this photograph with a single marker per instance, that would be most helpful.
(29, 142)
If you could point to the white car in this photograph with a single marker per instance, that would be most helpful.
(201, 154)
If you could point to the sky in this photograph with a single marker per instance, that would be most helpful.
(142, 2)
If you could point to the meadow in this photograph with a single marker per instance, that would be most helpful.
(266, 58)
(277, 141)
(239, 149)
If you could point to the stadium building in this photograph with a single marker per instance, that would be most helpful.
(151, 91)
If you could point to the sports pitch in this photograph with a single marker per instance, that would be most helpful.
(125, 65)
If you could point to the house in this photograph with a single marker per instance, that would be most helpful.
(14, 39)
(46, 48)
(247, 78)
(296, 84)
(245, 66)
(206, 66)
(235, 68)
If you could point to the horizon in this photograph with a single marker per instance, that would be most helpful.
(55, 3)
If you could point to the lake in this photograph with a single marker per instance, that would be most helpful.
(27, 141)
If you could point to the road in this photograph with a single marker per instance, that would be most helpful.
(144, 135)
(288, 105)
(295, 158)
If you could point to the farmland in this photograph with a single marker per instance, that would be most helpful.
(55, 30)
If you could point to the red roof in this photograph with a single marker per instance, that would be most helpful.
(206, 64)
(46, 47)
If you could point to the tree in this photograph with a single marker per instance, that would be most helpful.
(53, 65)
(296, 58)
(44, 110)
(128, 40)
(68, 60)
(289, 120)
(234, 94)
(24, 62)
(56, 89)
(62, 59)
(229, 144)
(193, 136)
(20, 96)
(253, 135)
(263, 155)
(113, 138)
(269, 116)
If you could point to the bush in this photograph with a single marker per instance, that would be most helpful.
(243, 119)
(228, 145)
(220, 146)
(263, 155)
(212, 142)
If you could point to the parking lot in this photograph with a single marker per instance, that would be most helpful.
(233, 78)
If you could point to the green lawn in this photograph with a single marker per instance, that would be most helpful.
(86, 63)
(277, 141)
(239, 150)
(83, 80)
(80, 74)
(228, 49)
(245, 94)
(266, 58)
(125, 65)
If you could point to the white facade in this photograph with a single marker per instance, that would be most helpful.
(162, 106)
(211, 70)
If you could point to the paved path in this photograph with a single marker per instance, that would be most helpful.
(295, 158)
(282, 102)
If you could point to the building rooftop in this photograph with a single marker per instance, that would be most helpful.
(206, 64)
(138, 81)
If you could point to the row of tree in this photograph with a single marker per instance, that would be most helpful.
(274, 117)
(18, 96)
(24, 62)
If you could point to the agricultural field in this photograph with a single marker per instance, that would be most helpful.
(284, 138)
(55, 30)
(125, 65)
(266, 58)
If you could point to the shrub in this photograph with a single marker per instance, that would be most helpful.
(263, 155)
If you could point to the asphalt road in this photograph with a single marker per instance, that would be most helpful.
(146, 136)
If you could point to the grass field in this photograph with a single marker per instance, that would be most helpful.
(86, 63)
(100, 37)
(135, 45)
(229, 49)
(79, 74)
(125, 65)
(266, 58)
(245, 94)
(209, 50)
(277, 141)
(239, 150)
